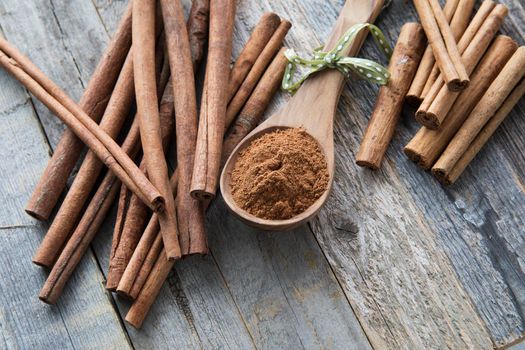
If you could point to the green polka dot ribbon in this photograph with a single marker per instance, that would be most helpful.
(363, 68)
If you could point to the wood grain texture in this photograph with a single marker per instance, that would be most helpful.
(25, 322)
(420, 265)
(213, 314)
(486, 263)
(283, 286)
(58, 48)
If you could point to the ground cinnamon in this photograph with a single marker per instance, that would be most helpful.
(279, 175)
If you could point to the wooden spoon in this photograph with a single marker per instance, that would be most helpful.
(313, 108)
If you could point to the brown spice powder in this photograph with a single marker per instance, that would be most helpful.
(280, 174)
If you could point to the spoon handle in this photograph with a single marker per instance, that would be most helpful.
(314, 105)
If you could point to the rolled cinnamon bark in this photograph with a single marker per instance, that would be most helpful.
(415, 93)
(192, 236)
(143, 28)
(264, 59)
(437, 104)
(443, 45)
(146, 267)
(213, 109)
(95, 213)
(136, 215)
(458, 24)
(138, 311)
(86, 230)
(144, 249)
(81, 124)
(143, 261)
(198, 21)
(483, 136)
(491, 101)
(427, 145)
(66, 218)
(403, 64)
(132, 214)
(261, 34)
(472, 29)
(137, 262)
(93, 102)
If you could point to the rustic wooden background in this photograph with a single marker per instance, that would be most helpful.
(394, 260)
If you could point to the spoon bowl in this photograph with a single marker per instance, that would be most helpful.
(252, 220)
(312, 108)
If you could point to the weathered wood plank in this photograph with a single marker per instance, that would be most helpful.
(422, 266)
(195, 299)
(283, 286)
(193, 310)
(26, 322)
(199, 281)
(393, 226)
(59, 50)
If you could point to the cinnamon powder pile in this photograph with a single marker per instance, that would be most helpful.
(280, 174)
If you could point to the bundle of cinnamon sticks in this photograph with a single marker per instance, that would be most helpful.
(160, 218)
(458, 112)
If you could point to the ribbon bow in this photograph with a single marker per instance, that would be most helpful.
(364, 68)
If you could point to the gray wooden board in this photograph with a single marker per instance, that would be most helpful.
(420, 265)
(198, 288)
(402, 221)
(26, 322)
(205, 314)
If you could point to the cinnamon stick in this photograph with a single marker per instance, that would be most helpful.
(96, 212)
(146, 268)
(415, 93)
(132, 214)
(458, 25)
(264, 59)
(136, 213)
(189, 212)
(198, 30)
(85, 232)
(431, 114)
(491, 101)
(143, 259)
(66, 218)
(427, 145)
(472, 29)
(93, 102)
(143, 28)
(138, 311)
(83, 126)
(213, 108)
(137, 263)
(443, 45)
(485, 133)
(261, 34)
(254, 108)
(403, 64)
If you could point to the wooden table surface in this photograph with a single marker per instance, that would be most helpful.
(394, 260)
